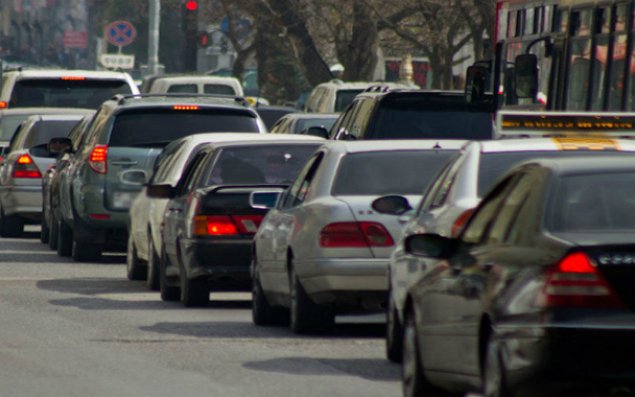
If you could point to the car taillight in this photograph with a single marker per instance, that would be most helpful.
(576, 282)
(24, 167)
(248, 224)
(462, 219)
(4, 104)
(97, 159)
(355, 234)
(226, 225)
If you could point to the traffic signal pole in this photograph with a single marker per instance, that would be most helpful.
(153, 33)
(190, 32)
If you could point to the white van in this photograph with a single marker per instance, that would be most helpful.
(196, 84)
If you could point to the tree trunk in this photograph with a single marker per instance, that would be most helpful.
(361, 58)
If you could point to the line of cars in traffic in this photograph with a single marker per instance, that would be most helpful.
(497, 278)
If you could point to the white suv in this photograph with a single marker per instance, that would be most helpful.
(62, 88)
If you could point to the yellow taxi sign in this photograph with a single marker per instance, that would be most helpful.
(546, 124)
(580, 143)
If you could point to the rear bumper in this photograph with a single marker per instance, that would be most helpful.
(361, 283)
(224, 263)
(22, 200)
(546, 361)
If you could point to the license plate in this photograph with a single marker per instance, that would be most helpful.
(123, 199)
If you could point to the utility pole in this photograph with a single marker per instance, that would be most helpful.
(153, 40)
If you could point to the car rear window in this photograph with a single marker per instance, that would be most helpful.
(305, 124)
(596, 202)
(389, 172)
(494, 165)
(427, 118)
(43, 131)
(220, 89)
(158, 127)
(271, 164)
(183, 88)
(344, 98)
(80, 93)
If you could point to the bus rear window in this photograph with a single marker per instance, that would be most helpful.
(75, 93)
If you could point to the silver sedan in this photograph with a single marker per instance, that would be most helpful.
(323, 249)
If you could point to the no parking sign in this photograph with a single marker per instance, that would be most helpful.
(120, 33)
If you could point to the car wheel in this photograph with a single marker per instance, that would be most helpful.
(152, 277)
(394, 333)
(413, 380)
(169, 293)
(10, 225)
(135, 268)
(45, 232)
(494, 377)
(82, 251)
(194, 293)
(53, 233)
(262, 313)
(306, 316)
(64, 238)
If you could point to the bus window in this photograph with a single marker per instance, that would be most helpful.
(618, 66)
(602, 29)
(547, 19)
(562, 22)
(579, 60)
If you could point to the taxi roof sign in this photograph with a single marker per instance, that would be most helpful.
(546, 124)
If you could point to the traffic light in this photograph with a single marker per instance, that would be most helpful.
(191, 5)
(190, 33)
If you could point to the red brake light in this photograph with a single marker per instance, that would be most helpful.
(576, 282)
(73, 78)
(97, 159)
(24, 167)
(462, 219)
(185, 107)
(4, 104)
(355, 234)
(216, 225)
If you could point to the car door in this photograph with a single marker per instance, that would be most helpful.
(438, 298)
(274, 239)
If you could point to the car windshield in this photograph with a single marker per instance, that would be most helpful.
(270, 164)
(389, 172)
(8, 125)
(305, 124)
(493, 165)
(598, 202)
(345, 98)
(155, 127)
(80, 93)
(418, 118)
(43, 131)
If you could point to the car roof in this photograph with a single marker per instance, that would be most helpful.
(268, 139)
(50, 73)
(154, 100)
(306, 115)
(584, 165)
(249, 137)
(55, 117)
(196, 78)
(555, 144)
(406, 144)
(44, 110)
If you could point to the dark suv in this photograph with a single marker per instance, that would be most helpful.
(414, 114)
(117, 155)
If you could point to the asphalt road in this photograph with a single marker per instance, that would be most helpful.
(71, 329)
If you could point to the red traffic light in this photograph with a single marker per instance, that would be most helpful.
(191, 5)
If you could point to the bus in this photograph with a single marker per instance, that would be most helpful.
(566, 55)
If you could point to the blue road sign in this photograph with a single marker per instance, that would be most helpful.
(120, 33)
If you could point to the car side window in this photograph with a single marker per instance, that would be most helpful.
(486, 213)
(189, 173)
(509, 210)
(441, 194)
(165, 162)
(344, 122)
(431, 190)
(299, 189)
(359, 123)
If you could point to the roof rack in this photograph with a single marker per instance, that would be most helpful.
(378, 88)
(121, 98)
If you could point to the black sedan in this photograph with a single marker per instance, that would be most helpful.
(209, 223)
(535, 297)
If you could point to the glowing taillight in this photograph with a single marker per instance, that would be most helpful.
(4, 104)
(355, 234)
(576, 282)
(185, 107)
(97, 159)
(460, 221)
(216, 225)
(73, 78)
(25, 167)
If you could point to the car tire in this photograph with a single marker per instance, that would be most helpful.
(85, 252)
(152, 276)
(494, 383)
(394, 333)
(135, 268)
(194, 293)
(307, 317)
(53, 233)
(10, 225)
(262, 313)
(414, 381)
(169, 293)
(45, 231)
(64, 238)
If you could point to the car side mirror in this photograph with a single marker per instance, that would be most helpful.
(318, 131)
(391, 205)
(160, 191)
(478, 79)
(431, 246)
(526, 76)
(264, 199)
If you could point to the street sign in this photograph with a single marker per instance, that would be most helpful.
(120, 33)
(115, 61)
(75, 39)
